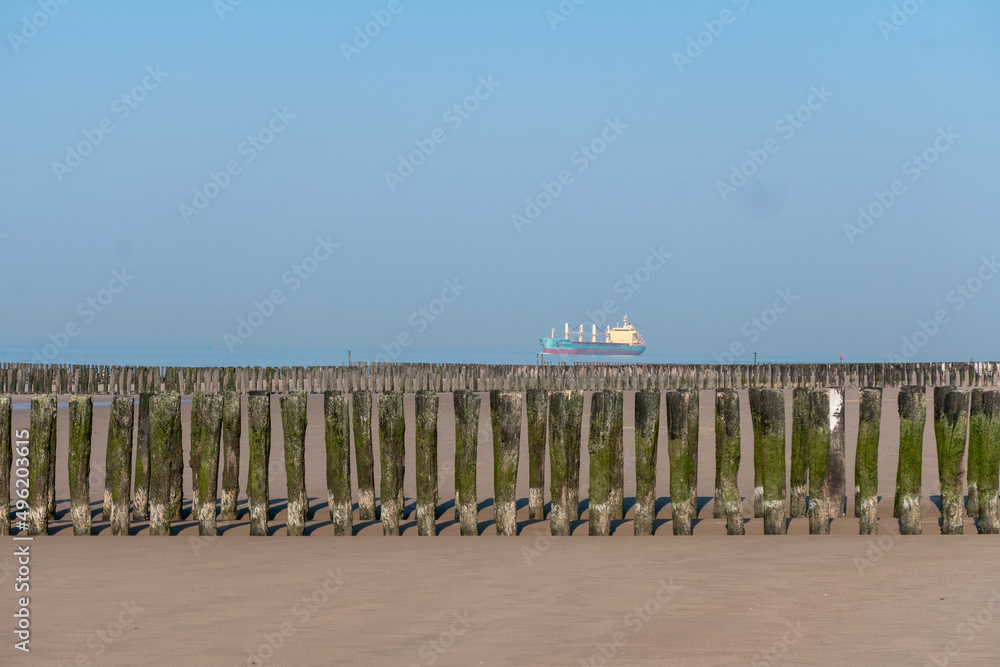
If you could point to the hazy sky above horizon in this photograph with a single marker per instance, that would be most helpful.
(795, 179)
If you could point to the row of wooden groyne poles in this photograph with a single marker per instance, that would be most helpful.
(144, 466)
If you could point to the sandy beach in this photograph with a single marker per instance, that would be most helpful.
(531, 599)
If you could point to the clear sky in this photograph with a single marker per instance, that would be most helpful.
(506, 167)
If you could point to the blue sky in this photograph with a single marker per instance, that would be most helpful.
(504, 168)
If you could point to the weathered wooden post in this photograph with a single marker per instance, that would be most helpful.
(232, 417)
(616, 497)
(338, 462)
(505, 418)
(679, 451)
(984, 434)
(43, 416)
(392, 430)
(177, 468)
(837, 478)
(293, 426)
(81, 419)
(537, 407)
(194, 461)
(912, 404)
(866, 460)
(426, 410)
(119, 462)
(565, 421)
(727, 458)
(467, 407)
(692, 453)
(363, 453)
(817, 434)
(258, 491)
(6, 459)
(647, 428)
(208, 461)
(599, 448)
(767, 411)
(573, 447)
(140, 502)
(951, 409)
(164, 423)
(800, 451)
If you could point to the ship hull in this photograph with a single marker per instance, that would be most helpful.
(562, 346)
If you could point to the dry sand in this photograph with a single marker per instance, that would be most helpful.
(532, 600)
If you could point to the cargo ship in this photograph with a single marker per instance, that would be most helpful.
(621, 340)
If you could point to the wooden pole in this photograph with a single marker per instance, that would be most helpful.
(985, 423)
(599, 448)
(836, 466)
(565, 415)
(119, 462)
(6, 459)
(692, 454)
(767, 411)
(176, 467)
(208, 462)
(951, 410)
(727, 447)
(647, 429)
(363, 453)
(43, 415)
(615, 401)
(232, 417)
(505, 418)
(975, 451)
(573, 443)
(537, 407)
(164, 423)
(912, 415)
(198, 415)
(679, 451)
(293, 426)
(140, 511)
(258, 491)
(866, 460)
(338, 462)
(426, 410)
(467, 407)
(81, 419)
(817, 436)
(800, 452)
(392, 429)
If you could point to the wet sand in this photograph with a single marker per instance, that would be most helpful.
(524, 600)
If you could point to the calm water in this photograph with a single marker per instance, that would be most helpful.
(137, 356)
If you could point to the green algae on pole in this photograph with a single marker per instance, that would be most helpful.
(426, 412)
(164, 424)
(692, 451)
(338, 462)
(119, 461)
(975, 452)
(232, 416)
(208, 461)
(81, 420)
(767, 411)
(616, 497)
(177, 467)
(505, 418)
(258, 491)
(293, 426)
(194, 460)
(647, 428)
(573, 437)
(52, 457)
(985, 422)
(951, 409)
(727, 457)
(866, 460)
(391, 434)
(140, 502)
(43, 415)
(817, 434)
(679, 451)
(537, 407)
(560, 439)
(6, 458)
(912, 405)
(599, 448)
(467, 407)
(363, 453)
(800, 452)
